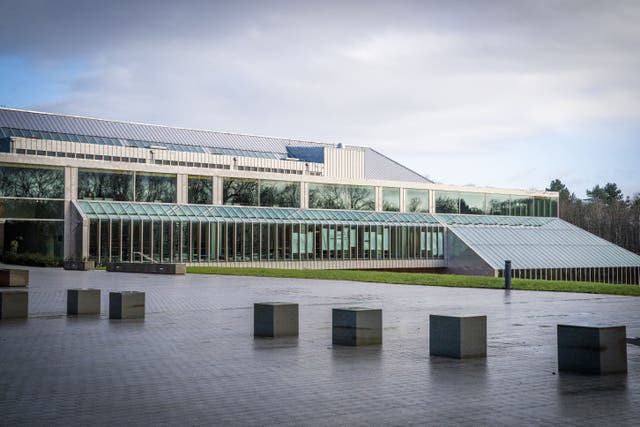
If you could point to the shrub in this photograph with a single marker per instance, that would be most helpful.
(32, 259)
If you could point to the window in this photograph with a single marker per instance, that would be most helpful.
(335, 196)
(390, 199)
(472, 203)
(279, 193)
(417, 200)
(27, 181)
(447, 202)
(155, 187)
(498, 204)
(200, 190)
(105, 185)
(237, 191)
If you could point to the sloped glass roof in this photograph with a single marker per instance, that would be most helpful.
(524, 221)
(166, 212)
(539, 243)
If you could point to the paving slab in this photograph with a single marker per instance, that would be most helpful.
(194, 360)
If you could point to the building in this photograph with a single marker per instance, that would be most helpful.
(117, 191)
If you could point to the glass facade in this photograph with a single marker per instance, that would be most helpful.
(390, 199)
(224, 241)
(447, 202)
(31, 209)
(495, 204)
(105, 185)
(335, 196)
(472, 203)
(155, 187)
(284, 194)
(521, 206)
(498, 204)
(200, 189)
(240, 192)
(31, 181)
(417, 200)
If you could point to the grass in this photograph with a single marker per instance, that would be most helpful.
(425, 279)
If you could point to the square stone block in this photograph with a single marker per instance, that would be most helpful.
(83, 301)
(592, 349)
(458, 337)
(275, 319)
(357, 326)
(14, 304)
(126, 305)
(14, 277)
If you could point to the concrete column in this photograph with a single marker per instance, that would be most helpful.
(402, 200)
(182, 193)
(217, 190)
(84, 251)
(379, 201)
(304, 195)
(432, 201)
(70, 193)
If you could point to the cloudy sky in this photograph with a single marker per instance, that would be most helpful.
(489, 93)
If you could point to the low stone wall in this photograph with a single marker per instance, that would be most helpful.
(153, 268)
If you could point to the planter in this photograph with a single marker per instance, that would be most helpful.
(153, 268)
(79, 265)
(14, 278)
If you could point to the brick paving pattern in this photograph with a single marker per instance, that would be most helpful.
(194, 361)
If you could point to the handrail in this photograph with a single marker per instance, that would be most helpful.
(145, 257)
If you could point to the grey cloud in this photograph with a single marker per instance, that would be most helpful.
(413, 79)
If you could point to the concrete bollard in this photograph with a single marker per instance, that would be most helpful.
(592, 349)
(126, 305)
(83, 301)
(275, 319)
(458, 337)
(357, 326)
(14, 305)
(14, 277)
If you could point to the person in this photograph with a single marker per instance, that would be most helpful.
(13, 246)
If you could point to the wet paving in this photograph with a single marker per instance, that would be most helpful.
(194, 361)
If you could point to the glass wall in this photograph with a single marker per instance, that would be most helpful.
(545, 206)
(498, 204)
(155, 187)
(197, 241)
(29, 193)
(31, 181)
(238, 191)
(31, 209)
(390, 199)
(200, 190)
(254, 192)
(284, 194)
(495, 204)
(417, 200)
(105, 185)
(335, 196)
(521, 206)
(472, 203)
(447, 202)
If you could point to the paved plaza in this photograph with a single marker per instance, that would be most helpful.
(194, 360)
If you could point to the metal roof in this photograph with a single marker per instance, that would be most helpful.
(110, 132)
(538, 243)
(205, 213)
(379, 166)
(74, 125)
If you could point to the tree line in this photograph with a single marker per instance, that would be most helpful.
(606, 212)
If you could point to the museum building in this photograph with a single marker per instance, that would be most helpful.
(78, 187)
